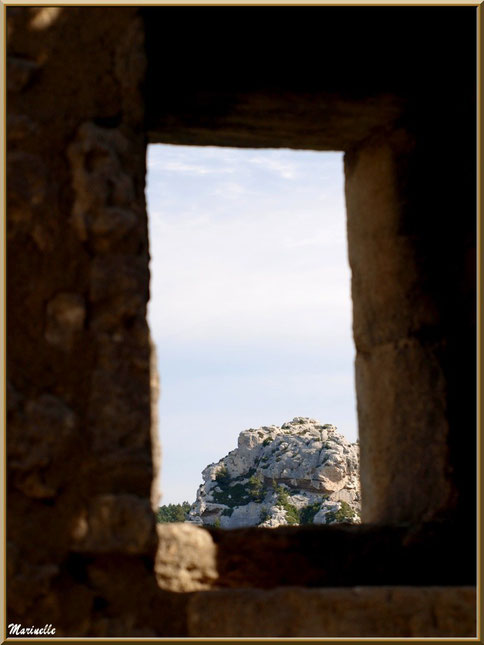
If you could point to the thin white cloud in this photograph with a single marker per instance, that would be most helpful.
(284, 169)
(229, 190)
(186, 168)
(261, 274)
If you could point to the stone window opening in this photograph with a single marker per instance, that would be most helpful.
(88, 88)
(250, 557)
(249, 247)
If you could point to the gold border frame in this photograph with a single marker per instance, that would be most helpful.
(479, 304)
(3, 322)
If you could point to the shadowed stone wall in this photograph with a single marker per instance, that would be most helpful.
(87, 89)
(401, 103)
(400, 379)
(79, 448)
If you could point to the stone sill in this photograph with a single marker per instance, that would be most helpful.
(343, 612)
(190, 558)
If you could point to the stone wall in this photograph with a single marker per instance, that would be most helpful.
(79, 449)
(400, 380)
(406, 120)
(88, 87)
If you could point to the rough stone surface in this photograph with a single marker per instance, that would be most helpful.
(19, 72)
(66, 314)
(301, 472)
(406, 408)
(115, 524)
(79, 447)
(79, 451)
(50, 431)
(356, 612)
(186, 558)
(105, 211)
(339, 555)
(155, 440)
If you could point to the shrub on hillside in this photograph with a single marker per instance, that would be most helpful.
(256, 487)
(222, 476)
(344, 514)
(308, 512)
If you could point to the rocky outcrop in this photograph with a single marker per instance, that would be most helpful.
(300, 473)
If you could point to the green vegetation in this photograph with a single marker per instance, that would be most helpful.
(222, 476)
(263, 516)
(344, 514)
(236, 495)
(252, 487)
(172, 513)
(292, 513)
(256, 487)
(267, 441)
(308, 512)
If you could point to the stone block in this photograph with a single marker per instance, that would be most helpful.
(66, 313)
(186, 558)
(41, 434)
(115, 524)
(20, 71)
(389, 298)
(402, 416)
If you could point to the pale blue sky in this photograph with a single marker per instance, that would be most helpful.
(250, 299)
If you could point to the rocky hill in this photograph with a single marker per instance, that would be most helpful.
(300, 473)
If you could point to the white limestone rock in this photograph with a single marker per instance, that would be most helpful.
(302, 472)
